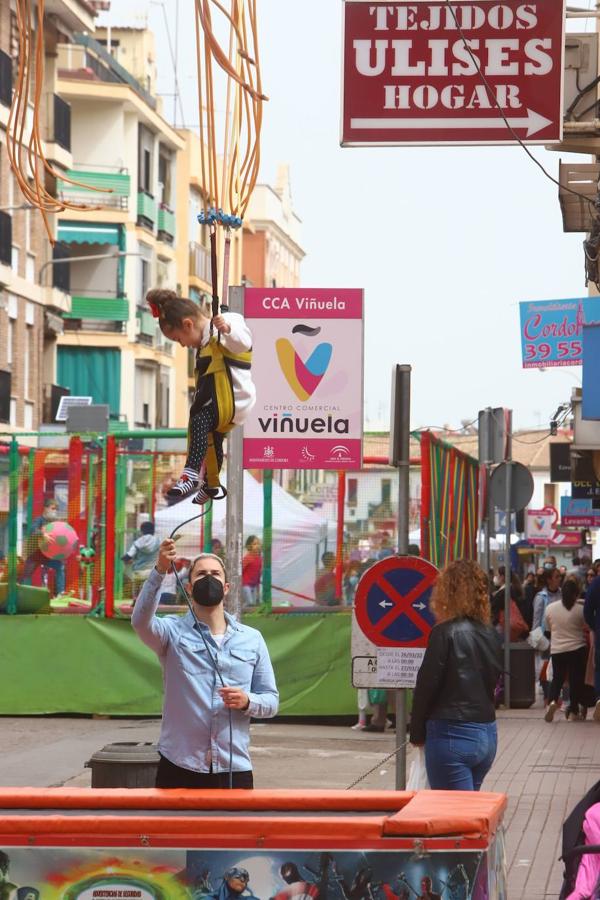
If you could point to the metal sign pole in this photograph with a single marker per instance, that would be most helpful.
(508, 506)
(400, 456)
(234, 515)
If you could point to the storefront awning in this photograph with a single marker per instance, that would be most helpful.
(88, 233)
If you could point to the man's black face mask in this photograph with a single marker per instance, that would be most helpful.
(208, 591)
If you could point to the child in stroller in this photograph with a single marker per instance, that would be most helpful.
(581, 849)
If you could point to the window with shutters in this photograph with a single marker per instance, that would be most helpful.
(5, 238)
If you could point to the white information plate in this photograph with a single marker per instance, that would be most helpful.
(387, 667)
(397, 667)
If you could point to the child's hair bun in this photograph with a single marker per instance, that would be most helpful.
(160, 297)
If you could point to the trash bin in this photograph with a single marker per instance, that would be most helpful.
(522, 675)
(128, 764)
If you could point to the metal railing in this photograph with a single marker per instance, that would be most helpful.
(199, 262)
(109, 186)
(62, 123)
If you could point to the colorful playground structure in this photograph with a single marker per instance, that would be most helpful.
(105, 487)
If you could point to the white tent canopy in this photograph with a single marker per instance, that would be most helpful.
(300, 535)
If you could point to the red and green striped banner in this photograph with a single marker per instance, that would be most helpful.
(449, 502)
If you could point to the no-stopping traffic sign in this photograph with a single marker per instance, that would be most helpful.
(392, 602)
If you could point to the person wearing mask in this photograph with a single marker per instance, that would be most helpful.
(36, 559)
(568, 649)
(453, 712)
(194, 746)
(251, 571)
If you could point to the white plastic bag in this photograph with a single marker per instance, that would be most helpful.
(417, 776)
(538, 640)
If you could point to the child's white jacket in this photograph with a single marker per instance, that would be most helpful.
(238, 340)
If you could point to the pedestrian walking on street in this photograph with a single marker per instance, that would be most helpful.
(453, 713)
(591, 612)
(568, 649)
(205, 729)
(549, 592)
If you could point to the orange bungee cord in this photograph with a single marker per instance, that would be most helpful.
(24, 144)
(226, 203)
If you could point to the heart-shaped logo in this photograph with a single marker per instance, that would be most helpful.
(303, 377)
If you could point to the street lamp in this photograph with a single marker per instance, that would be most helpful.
(72, 259)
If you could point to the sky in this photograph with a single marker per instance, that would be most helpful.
(444, 241)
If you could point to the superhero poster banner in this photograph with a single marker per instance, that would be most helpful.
(307, 365)
(50, 873)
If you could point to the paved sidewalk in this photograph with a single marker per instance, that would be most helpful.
(545, 769)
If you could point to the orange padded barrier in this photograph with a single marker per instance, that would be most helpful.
(443, 813)
(132, 798)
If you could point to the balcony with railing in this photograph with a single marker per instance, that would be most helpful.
(62, 123)
(105, 186)
(97, 311)
(145, 326)
(199, 262)
(5, 79)
(166, 223)
(146, 209)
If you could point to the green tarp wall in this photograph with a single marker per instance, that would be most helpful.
(72, 664)
(92, 372)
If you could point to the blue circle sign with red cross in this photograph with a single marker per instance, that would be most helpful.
(392, 602)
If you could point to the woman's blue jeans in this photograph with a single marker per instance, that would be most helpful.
(459, 755)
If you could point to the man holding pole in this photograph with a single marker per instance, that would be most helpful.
(217, 675)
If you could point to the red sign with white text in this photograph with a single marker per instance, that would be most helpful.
(439, 73)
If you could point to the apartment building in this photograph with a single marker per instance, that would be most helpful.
(125, 158)
(31, 302)
(272, 235)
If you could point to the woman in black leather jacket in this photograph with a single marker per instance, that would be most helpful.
(453, 711)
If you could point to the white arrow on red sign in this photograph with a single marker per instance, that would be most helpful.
(532, 122)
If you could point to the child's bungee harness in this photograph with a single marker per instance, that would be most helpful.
(213, 384)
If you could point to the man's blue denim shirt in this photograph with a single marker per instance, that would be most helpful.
(195, 724)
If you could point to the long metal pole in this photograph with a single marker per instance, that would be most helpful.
(267, 576)
(507, 577)
(13, 530)
(403, 462)
(234, 515)
(339, 543)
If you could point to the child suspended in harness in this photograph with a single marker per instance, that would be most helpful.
(224, 394)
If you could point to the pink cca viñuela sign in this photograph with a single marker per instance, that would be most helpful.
(308, 371)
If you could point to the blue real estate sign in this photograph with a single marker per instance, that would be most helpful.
(552, 330)
(590, 407)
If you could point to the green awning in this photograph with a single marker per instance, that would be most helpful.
(88, 233)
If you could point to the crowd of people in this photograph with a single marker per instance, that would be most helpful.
(556, 609)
